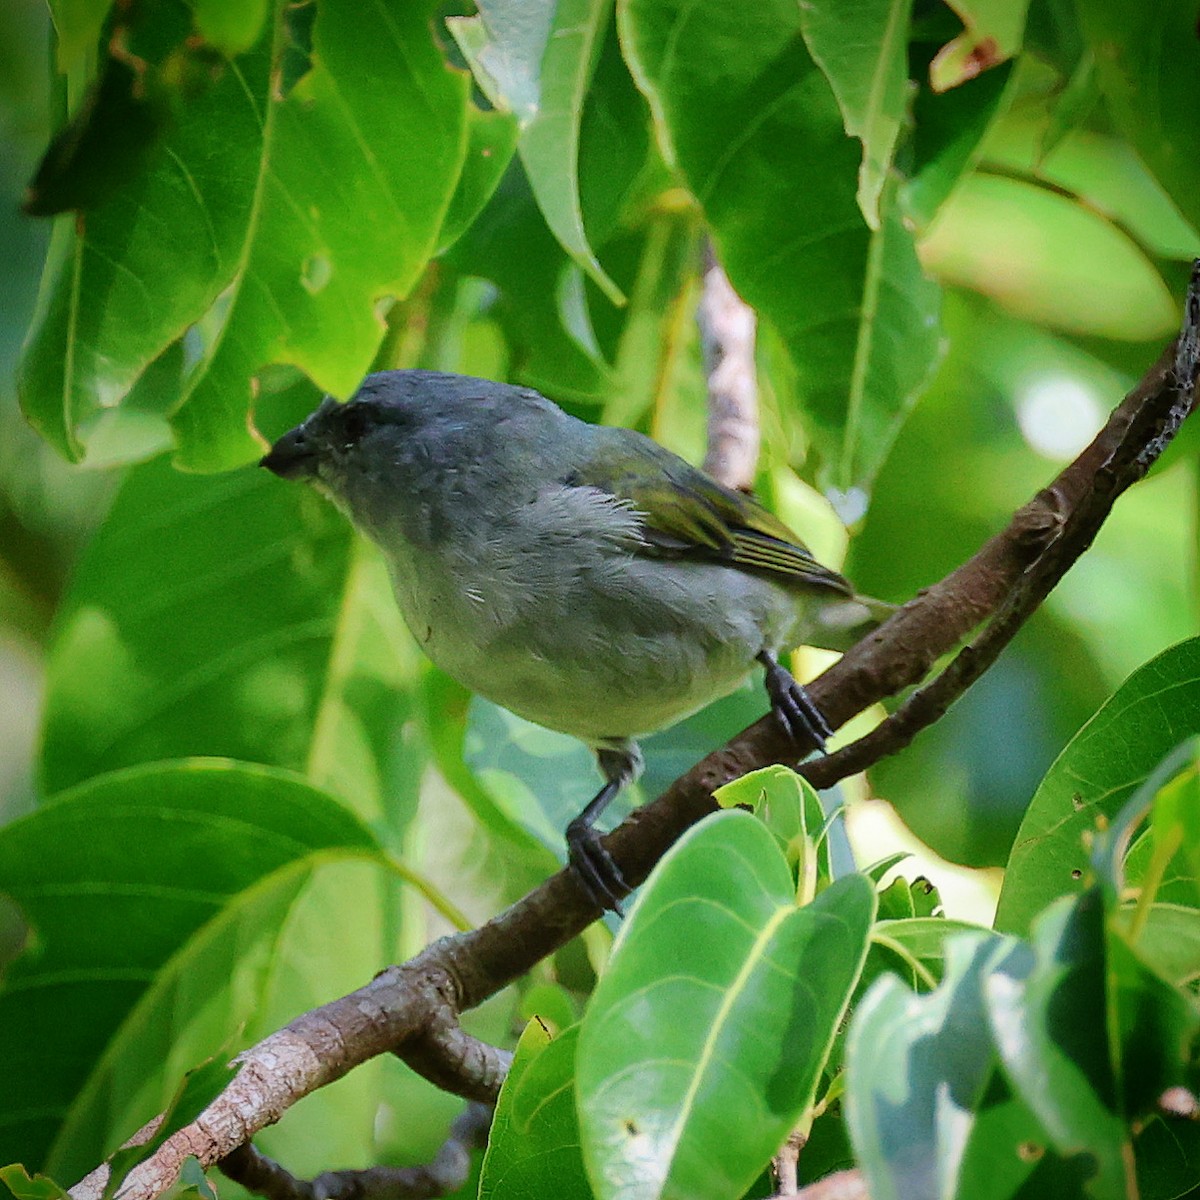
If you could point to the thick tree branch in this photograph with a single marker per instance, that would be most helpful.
(408, 1009)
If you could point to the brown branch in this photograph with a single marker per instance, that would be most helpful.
(407, 1009)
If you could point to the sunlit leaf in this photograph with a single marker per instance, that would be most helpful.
(364, 154)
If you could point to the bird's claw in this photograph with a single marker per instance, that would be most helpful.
(802, 719)
(595, 869)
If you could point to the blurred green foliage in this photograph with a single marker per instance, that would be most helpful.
(230, 786)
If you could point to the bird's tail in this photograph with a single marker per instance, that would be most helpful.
(839, 622)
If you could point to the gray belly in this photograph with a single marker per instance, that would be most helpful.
(614, 649)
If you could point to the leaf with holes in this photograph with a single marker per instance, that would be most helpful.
(281, 215)
(1102, 766)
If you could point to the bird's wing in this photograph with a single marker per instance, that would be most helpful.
(687, 514)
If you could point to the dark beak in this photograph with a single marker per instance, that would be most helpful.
(292, 457)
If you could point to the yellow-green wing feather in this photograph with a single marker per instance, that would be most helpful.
(687, 514)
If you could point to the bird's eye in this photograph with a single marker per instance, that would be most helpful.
(354, 422)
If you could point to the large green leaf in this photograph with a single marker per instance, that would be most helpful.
(233, 616)
(155, 896)
(752, 124)
(280, 221)
(1110, 757)
(105, 312)
(533, 1148)
(715, 1014)
(863, 49)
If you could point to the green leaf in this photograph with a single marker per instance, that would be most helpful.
(1102, 766)
(536, 61)
(716, 1013)
(1146, 56)
(364, 155)
(952, 127)
(230, 616)
(533, 1148)
(1168, 1159)
(107, 140)
(1075, 102)
(538, 778)
(914, 947)
(77, 24)
(1170, 942)
(191, 1183)
(1053, 290)
(751, 123)
(156, 895)
(654, 338)
(1175, 816)
(1042, 1004)
(103, 315)
(918, 1075)
(510, 245)
(863, 49)
(1152, 1025)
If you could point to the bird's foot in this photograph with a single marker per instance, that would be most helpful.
(802, 719)
(594, 868)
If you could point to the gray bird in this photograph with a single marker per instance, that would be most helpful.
(581, 576)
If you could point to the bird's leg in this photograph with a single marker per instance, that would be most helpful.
(791, 704)
(594, 867)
